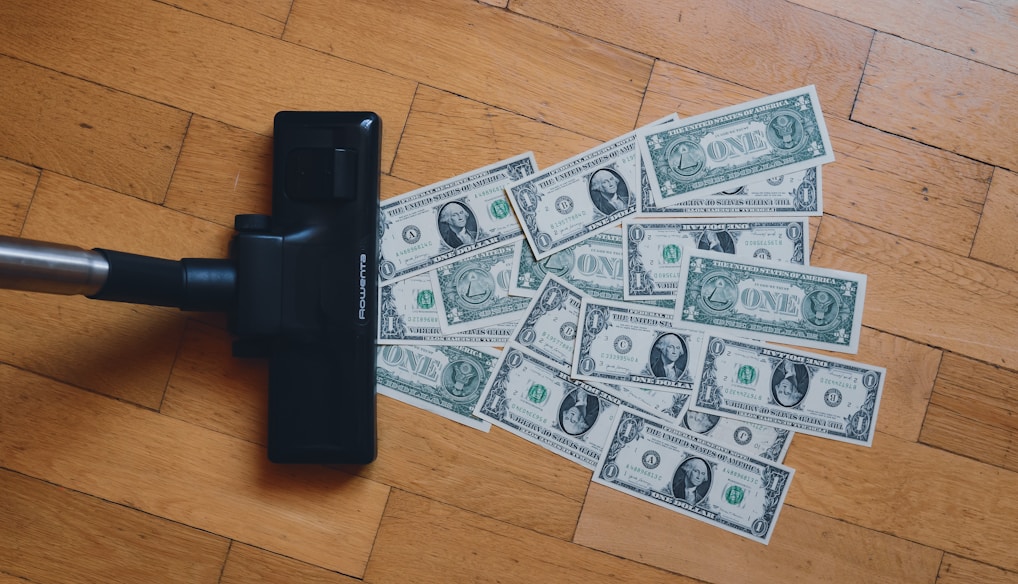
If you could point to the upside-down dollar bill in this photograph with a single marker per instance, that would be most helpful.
(761, 440)
(668, 405)
(808, 393)
(437, 224)
(654, 248)
(473, 292)
(631, 344)
(578, 197)
(735, 146)
(693, 475)
(535, 400)
(813, 307)
(796, 193)
(444, 380)
(548, 327)
(408, 315)
(594, 266)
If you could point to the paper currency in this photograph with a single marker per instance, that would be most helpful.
(594, 266)
(735, 146)
(548, 327)
(813, 394)
(473, 292)
(455, 218)
(630, 344)
(796, 193)
(813, 307)
(692, 475)
(654, 249)
(667, 405)
(579, 197)
(760, 440)
(408, 315)
(533, 399)
(444, 380)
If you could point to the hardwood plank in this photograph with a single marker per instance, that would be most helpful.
(805, 546)
(984, 31)
(54, 535)
(186, 474)
(264, 16)
(246, 564)
(912, 491)
(957, 570)
(771, 46)
(17, 185)
(92, 133)
(68, 211)
(927, 295)
(1000, 215)
(486, 54)
(972, 412)
(199, 65)
(447, 135)
(496, 474)
(224, 171)
(940, 99)
(478, 549)
(884, 181)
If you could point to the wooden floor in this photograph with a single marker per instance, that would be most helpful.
(132, 444)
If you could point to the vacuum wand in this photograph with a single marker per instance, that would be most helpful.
(190, 284)
(37, 266)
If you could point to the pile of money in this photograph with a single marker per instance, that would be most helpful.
(634, 308)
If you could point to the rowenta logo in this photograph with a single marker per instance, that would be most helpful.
(364, 288)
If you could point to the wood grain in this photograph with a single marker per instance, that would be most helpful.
(924, 294)
(447, 135)
(771, 46)
(250, 565)
(264, 16)
(199, 65)
(57, 122)
(17, 185)
(814, 547)
(984, 31)
(877, 179)
(972, 412)
(171, 469)
(958, 570)
(477, 549)
(515, 63)
(54, 535)
(940, 99)
(994, 240)
(912, 491)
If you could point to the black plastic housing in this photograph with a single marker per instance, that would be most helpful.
(306, 282)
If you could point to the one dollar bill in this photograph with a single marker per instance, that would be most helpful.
(735, 146)
(473, 291)
(812, 307)
(654, 248)
(535, 400)
(458, 217)
(694, 476)
(408, 315)
(804, 392)
(578, 197)
(796, 193)
(760, 440)
(447, 381)
(630, 344)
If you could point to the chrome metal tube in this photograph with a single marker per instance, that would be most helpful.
(38, 266)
